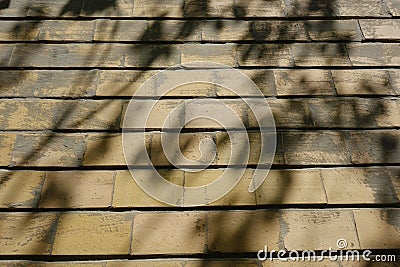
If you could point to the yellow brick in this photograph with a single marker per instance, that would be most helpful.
(152, 8)
(219, 53)
(243, 231)
(97, 233)
(227, 30)
(318, 229)
(6, 145)
(19, 30)
(291, 187)
(67, 30)
(308, 55)
(27, 233)
(210, 8)
(334, 30)
(71, 189)
(117, 8)
(272, 30)
(128, 194)
(265, 55)
(154, 233)
(104, 149)
(120, 30)
(20, 189)
(380, 29)
(259, 8)
(378, 229)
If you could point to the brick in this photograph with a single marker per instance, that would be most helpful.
(210, 8)
(77, 189)
(259, 8)
(279, 30)
(17, 8)
(227, 30)
(27, 184)
(170, 30)
(309, 148)
(127, 193)
(220, 53)
(380, 29)
(58, 8)
(120, 30)
(114, 8)
(93, 55)
(121, 83)
(239, 195)
(309, 8)
(265, 55)
(153, 233)
(7, 141)
(362, 82)
(291, 187)
(48, 150)
(395, 80)
(309, 55)
(145, 263)
(153, 8)
(224, 148)
(370, 54)
(67, 30)
(387, 111)
(6, 51)
(19, 30)
(47, 83)
(145, 55)
(189, 146)
(264, 79)
(103, 149)
(358, 186)
(303, 82)
(364, 8)
(378, 229)
(95, 233)
(243, 231)
(375, 147)
(27, 114)
(27, 233)
(325, 226)
(394, 7)
(89, 114)
(331, 30)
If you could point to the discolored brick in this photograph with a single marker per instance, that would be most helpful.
(20, 30)
(152, 8)
(66, 30)
(310, 55)
(7, 141)
(380, 29)
(328, 30)
(372, 54)
(120, 30)
(264, 55)
(220, 53)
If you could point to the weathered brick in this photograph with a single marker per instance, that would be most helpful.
(394, 7)
(291, 187)
(17, 8)
(264, 55)
(328, 30)
(359, 186)
(303, 82)
(58, 8)
(259, 8)
(72, 189)
(27, 114)
(380, 29)
(6, 51)
(103, 149)
(67, 30)
(95, 233)
(120, 30)
(27, 184)
(264, 79)
(189, 146)
(279, 30)
(317, 229)
(19, 30)
(375, 147)
(145, 55)
(92, 55)
(170, 30)
(115, 8)
(89, 114)
(395, 80)
(227, 30)
(7, 141)
(309, 55)
(221, 53)
(243, 231)
(128, 194)
(48, 150)
(153, 233)
(378, 229)
(309, 148)
(210, 8)
(27, 233)
(153, 8)
(121, 83)
(371, 54)
(362, 82)
(239, 195)
(387, 113)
